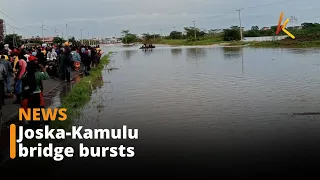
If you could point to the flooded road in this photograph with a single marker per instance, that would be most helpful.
(210, 109)
(212, 93)
(240, 108)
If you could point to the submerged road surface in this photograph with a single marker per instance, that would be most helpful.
(205, 111)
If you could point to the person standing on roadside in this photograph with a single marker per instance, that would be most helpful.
(49, 56)
(15, 64)
(3, 76)
(93, 56)
(41, 56)
(32, 96)
(53, 55)
(76, 58)
(86, 61)
(41, 74)
(67, 60)
(9, 70)
(61, 64)
(83, 49)
(18, 83)
(89, 54)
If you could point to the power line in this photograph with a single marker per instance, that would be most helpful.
(50, 27)
(250, 7)
(42, 27)
(270, 4)
(12, 18)
(15, 27)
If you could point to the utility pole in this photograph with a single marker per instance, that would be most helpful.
(239, 10)
(81, 34)
(14, 39)
(89, 38)
(42, 31)
(174, 28)
(4, 30)
(67, 32)
(195, 31)
(81, 37)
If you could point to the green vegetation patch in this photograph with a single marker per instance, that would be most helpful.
(301, 41)
(192, 42)
(80, 94)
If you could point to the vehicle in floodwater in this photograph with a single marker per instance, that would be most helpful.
(150, 46)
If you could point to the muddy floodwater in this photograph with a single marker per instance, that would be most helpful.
(236, 106)
(237, 97)
(232, 108)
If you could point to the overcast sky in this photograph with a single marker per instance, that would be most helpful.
(105, 18)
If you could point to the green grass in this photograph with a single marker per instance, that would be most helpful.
(287, 44)
(80, 95)
(300, 41)
(191, 42)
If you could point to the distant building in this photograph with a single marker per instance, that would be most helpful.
(46, 40)
(265, 28)
(110, 41)
(294, 27)
(297, 27)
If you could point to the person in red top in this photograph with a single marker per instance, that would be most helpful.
(22, 69)
(32, 58)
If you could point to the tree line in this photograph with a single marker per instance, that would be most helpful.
(305, 29)
(15, 40)
(229, 34)
(189, 33)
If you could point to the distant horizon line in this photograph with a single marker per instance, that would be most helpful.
(164, 34)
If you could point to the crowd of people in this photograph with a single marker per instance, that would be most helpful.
(29, 66)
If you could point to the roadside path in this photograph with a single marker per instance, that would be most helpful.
(10, 113)
(10, 110)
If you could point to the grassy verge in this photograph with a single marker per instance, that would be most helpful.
(278, 44)
(287, 44)
(191, 42)
(80, 95)
(301, 41)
